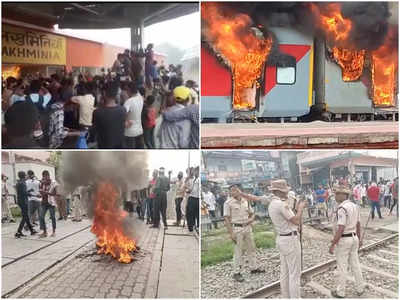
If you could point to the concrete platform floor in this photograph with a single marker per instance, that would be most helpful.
(318, 134)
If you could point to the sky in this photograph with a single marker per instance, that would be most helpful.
(175, 160)
(183, 32)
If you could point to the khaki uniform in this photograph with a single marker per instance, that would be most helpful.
(5, 205)
(288, 246)
(348, 214)
(239, 212)
(77, 197)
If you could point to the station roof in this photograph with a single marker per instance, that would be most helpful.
(95, 15)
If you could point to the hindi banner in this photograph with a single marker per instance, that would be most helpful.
(27, 46)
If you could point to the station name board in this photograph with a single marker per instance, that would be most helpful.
(26, 46)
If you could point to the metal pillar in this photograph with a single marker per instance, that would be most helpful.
(137, 36)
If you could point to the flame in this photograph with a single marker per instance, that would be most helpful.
(11, 71)
(331, 21)
(232, 37)
(337, 30)
(384, 60)
(384, 69)
(351, 62)
(108, 225)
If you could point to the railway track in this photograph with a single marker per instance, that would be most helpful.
(379, 263)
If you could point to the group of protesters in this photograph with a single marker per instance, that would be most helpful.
(381, 194)
(320, 200)
(35, 197)
(151, 203)
(113, 110)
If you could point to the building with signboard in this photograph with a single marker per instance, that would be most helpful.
(27, 49)
(322, 167)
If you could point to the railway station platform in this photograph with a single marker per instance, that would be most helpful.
(67, 266)
(317, 134)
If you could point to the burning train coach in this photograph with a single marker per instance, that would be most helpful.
(301, 61)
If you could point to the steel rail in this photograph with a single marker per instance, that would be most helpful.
(274, 287)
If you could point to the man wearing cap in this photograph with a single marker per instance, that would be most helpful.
(176, 134)
(239, 216)
(286, 227)
(347, 241)
(160, 201)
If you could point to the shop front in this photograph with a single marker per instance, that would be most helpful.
(26, 51)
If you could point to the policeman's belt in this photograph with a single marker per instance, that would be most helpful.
(288, 234)
(238, 225)
(348, 234)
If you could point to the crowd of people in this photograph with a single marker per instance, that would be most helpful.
(112, 110)
(285, 206)
(381, 194)
(320, 200)
(151, 203)
(34, 197)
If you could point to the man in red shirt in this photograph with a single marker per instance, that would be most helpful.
(373, 196)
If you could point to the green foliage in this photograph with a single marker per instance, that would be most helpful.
(218, 252)
(55, 160)
(217, 246)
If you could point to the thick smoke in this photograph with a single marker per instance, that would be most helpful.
(120, 167)
(127, 170)
(370, 19)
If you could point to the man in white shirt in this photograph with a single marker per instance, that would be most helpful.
(134, 107)
(209, 199)
(85, 100)
(34, 196)
(179, 195)
(192, 210)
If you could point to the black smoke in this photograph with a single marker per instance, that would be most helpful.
(370, 19)
(126, 170)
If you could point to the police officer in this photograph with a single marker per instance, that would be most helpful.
(238, 216)
(347, 241)
(286, 224)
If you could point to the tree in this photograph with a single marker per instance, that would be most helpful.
(55, 160)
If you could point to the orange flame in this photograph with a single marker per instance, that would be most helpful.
(351, 62)
(246, 53)
(384, 69)
(337, 30)
(331, 21)
(13, 71)
(108, 225)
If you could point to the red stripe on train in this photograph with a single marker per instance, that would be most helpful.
(216, 80)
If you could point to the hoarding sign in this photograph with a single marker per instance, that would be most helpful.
(26, 46)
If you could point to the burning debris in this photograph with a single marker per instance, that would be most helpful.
(109, 175)
(244, 48)
(108, 224)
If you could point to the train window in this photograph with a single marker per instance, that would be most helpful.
(285, 75)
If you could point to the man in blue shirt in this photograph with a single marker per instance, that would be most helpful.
(320, 194)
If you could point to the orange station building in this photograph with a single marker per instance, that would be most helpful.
(28, 49)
